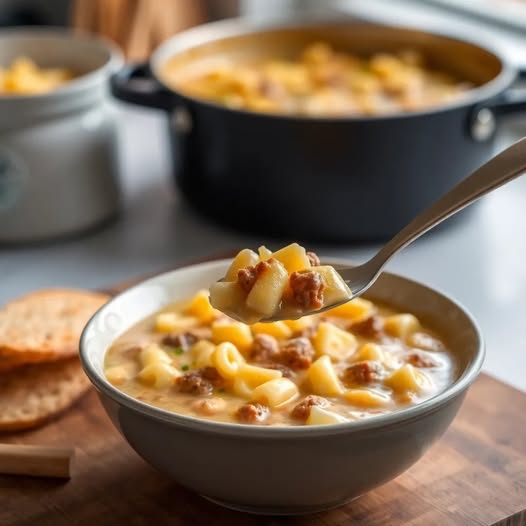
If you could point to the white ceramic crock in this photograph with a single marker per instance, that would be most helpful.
(58, 155)
(280, 470)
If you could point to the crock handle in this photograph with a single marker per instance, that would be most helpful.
(134, 83)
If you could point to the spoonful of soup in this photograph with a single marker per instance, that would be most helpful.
(291, 282)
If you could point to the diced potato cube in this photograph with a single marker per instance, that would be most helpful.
(268, 289)
(275, 393)
(245, 258)
(319, 417)
(366, 398)
(355, 310)
(173, 322)
(232, 331)
(153, 353)
(293, 257)
(227, 296)
(278, 329)
(264, 253)
(202, 353)
(159, 375)
(336, 289)
(334, 342)
(401, 325)
(408, 379)
(201, 308)
(323, 378)
(369, 352)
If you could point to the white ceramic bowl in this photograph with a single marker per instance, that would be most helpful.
(281, 470)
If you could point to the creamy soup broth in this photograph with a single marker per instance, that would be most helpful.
(359, 360)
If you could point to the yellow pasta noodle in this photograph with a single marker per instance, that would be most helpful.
(250, 376)
(200, 307)
(278, 329)
(227, 360)
(154, 354)
(159, 374)
(173, 322)
(202, 352)
(355, 310)
(369, 351)
(333, 341)
(367, 398)
(323, 378)
(232, 331)
(407, 379)
(275, 393)
(319, 417)
(402, 325)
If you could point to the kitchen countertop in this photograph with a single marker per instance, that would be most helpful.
(479, 260)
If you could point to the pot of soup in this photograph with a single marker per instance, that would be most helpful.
(321, 131)
(58, 134)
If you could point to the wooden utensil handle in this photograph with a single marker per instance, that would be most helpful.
(36, 461)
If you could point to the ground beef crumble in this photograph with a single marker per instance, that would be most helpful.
(302, 410)
(265, 348)
(307, 289)
(252, 413)
(371, 327)
(200, 382)
(362, 372)
(419, 359)
(247, 276)
(297, 353)
(313, 258)
(183, 340)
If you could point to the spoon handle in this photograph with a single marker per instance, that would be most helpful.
(502, 168)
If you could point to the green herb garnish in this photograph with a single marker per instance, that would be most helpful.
(178, 351)
(185, 367)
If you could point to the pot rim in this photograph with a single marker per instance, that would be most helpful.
(395, 418)
(240, 27)
(78, 84)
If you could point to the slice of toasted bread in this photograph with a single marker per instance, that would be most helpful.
(32, 394)
(45, 325)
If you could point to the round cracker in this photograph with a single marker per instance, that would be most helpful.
(45, 325)
(32, 394)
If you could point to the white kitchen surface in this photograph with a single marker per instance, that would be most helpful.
(479, 260)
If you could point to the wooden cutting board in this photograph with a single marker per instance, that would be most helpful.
(474, 476)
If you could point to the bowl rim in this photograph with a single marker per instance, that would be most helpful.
(114, 60)
(239, 27)
(384, 421)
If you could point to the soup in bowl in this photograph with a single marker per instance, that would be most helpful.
(290, 461)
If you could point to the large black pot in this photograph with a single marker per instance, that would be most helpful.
(332, 179)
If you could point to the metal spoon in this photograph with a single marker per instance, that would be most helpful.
(502, 168)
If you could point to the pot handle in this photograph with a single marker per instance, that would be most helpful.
(512, 100)
(135, 83)
(483, 118)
